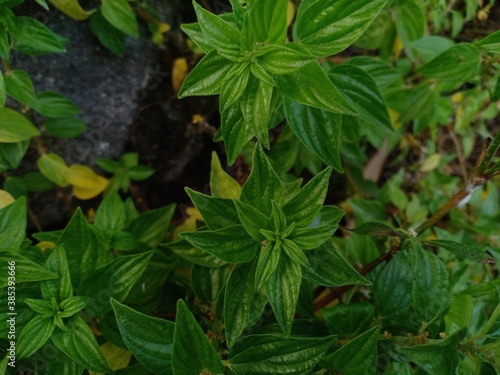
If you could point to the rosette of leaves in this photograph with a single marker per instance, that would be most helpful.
(261, 78)
(275, 239)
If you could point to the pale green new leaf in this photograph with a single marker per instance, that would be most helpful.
(14, 127)
(222, 185)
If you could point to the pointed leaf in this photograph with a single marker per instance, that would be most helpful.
(34, 335)
(267, 263)
(217, 212)
(14, 127)
(60, 288)
(267, 21)
(193, 254)
(119, 13)
(311, 238)
(348, 319)
(25, 269)
(13, 224)
(469, 252)
(52, 104)
(54, 168)
(491, 43)
(151, 226)
(71, 8)
(252, 220)
(222, 185)
(284, 59)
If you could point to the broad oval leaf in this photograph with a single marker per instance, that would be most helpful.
(14, 127)
(52, 104)
(54, 168)
(222, 185)
(72, 9)
(64, 127)
(119, 13)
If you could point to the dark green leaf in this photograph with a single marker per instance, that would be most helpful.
(359, 356)
(377, 229)
(115, 279)
(207, 77)
(496, 93)
(252, 220)
(140, 172)
(119, 13)
(194, 255)
(217, 212)
(25, 269)
(267, 263)
(282, 289)
(60, 288)
(311, 238)
(310, 85)
(151, 226)
(277, 354)
(329, 268)
(207, 282)
(458, 63)
(242, 305)
(436, 358)
(192, 352)
(14, 127)
(266, 21)
(231, 244)
(283, 59)
(4, 44)
(362, 93)
(13, 224)
(431, 298)
(329, 215)
(149, 339)
(73, 305)
(110, 216)
(348, 319)
(40, 306)
(460, 311)
(328, 27)
(235, 131)
(3, 92)
(33, 336)
(469, 252)
(52, 104)
(381, 72)
(109, 36)
(491, 43)
(78, 343)
(13, 153)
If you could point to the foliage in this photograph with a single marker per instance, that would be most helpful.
(258, 279)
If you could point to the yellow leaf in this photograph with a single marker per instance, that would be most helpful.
(179, 72)
(397, 47)
(222, 184)
(116, 357)
(44, 245)
(72, 9)
(290, 12)
(86, 183)
(431, 163)
(5, 198)
(197, 118)
(394, 118)
(158, 38)
(163, 27)
(457, 98)
(189, 225)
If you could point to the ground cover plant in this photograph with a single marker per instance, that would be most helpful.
(352, 216)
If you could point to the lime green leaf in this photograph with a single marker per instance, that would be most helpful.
(222, 185)
(25, 269)
(491, 43)
(460, 311)
(242, 305)
(119, 13)
(317, 129)
(151, 226)
(469, 252)
(410, 23)
(359, 356)
(303, 207)
(458, 63)
(329, 268)
(60, 288)
(283, 59)
(362, 94)
(328, 27)
(252, 220)
(436, 358)
(71, 8)
(64, 127)
(14, 127)
(192, 352)
(310, 85)
(22, 29)
(231, 244)
(277, 354)
(430, 295)
(78, 343)
(34, 335)
(282, 289)
(54, 168)
(348, 319)
(110, 217)
(109, 36)
(266, 21)
(52, 104)
(207, 77)
(193, 254)
(13, 224)
(149, 339)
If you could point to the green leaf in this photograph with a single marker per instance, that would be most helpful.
(208, 282)
(115, 279)
(252, 220)
(73, 305)
(459, 63)
(193, 254)
(14, 127)
(25, 269)
(328, 216)
(151, 226)
(318, 130)
(282, 289)
(110, 217)
(266, 21)
(304, 206)
(3, 91)
(267, 263)
(193, 30)
(362, 93)
(263, 185)
(234, 85)
(217, 212)
(13, 224)
(222, 185)
(311, 238)
(328, 27)
(381, 72)
(277, 354)
(377, 229)
(393, 286)
(348, 319)
(14, 153)
(140, 172)
(410, 23)
(119, 13)
(78, 343)
(4, 44)
(283, 59)
(64, 127)
(231, 244)
(358, 356)
(192, 352)
(149, 339)
(460, 311)
(41, 307)
(207, 76)
(33, 336)
(52, 104)
(329, 268)
(491, 43)
(436, 358)
(496, 93)
(468, 252)
(60, 288)
(54, 168)
(218, 33)
(430, 295)
(242, 305)
(22, 29)
(109, 36)
(310, 85)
